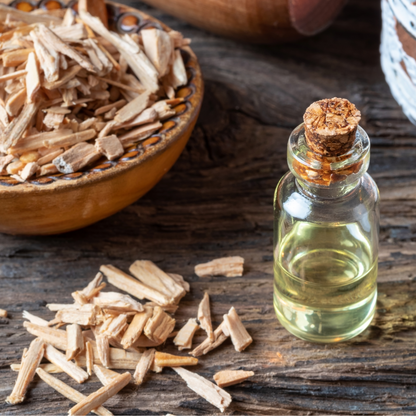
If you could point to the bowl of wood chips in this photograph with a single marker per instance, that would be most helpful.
(97, 102)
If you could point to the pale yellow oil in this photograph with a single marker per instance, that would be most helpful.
(325, 281)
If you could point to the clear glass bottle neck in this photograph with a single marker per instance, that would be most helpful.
(322, 177)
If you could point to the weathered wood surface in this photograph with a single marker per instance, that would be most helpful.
(216, 201)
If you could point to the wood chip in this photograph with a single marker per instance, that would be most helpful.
(48, 367)
(75, 341)
(209, 391)
(152, 276)
(57, 358)
(147, 116)
(49, 157)
(116, 326)
(16, 58)
(118, 359)
(77, 157)
(34, 319)
(226, 266)
(35, 141)
(15, 102)
(55, 337)
(48, 169)
(180, 281)
(63, 79)
(140, 133)
(103, 349)
(183, 339)
(83, 316)
(105, 375)
(136, 327)
(56, 43)
(178, 75)
(132, 286)
(29, 170)
(110, 147)
(158, 46)
(108, 107)
(30, 362)
(26, 17)
(143, 366)
(48, 58)
(67, 391)
(90, 291)
(159, 326)
(204, 316)
(18, 126)
(235, 328)
(207, 346)
(13, 75)
(137, 60)
(100, 396)
(163, 359)
(3, 313)
(229, 378)
(32, 78)
(118, 302)
(133, 108)
(89, 356)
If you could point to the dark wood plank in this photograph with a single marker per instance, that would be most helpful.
(216, 201)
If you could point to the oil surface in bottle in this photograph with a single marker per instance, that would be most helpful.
(325, 281)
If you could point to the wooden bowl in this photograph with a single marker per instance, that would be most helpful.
(255, 21)
(59, 203)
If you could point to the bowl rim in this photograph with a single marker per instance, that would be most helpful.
(138, 153)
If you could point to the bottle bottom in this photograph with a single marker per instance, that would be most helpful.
(325, 325)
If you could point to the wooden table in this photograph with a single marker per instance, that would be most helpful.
(217, 201)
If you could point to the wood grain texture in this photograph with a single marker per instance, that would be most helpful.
(216, 201)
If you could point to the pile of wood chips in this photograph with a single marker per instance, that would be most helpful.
(109, 330)
(71, 91)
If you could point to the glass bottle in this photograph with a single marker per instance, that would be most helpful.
(326, 225)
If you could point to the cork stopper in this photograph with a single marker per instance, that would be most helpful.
(330, 126)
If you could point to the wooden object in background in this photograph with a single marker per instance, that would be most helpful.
(257, 21)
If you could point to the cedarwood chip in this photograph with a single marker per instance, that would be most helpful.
(57, 358)
(15, 102)
(159, 326)
(207, 346)
(229, 378)
(105, 375)
(103, 349)
(159, 48)
(132, 286)
(235, 328)
(75, 341)
(55, 337)
(136, 327)
(100, 396)
(93, 289)
(141, 133)
(180, 281)
(34, 319)
(3, 313)
(204, 316)
(116, 326)
(163, 359)
(35, 141)
(149, 274)
(77, 157)
(89, 357)
(32, 78)
(30, 362)
(143, 366)
(83, 316)
(110, 147)
(118, 302)
(133, 108)
(209, 391)
(183, 339)
(48, 367)
(226, 266)
(67, 391)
